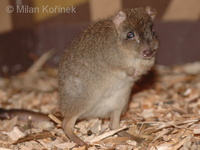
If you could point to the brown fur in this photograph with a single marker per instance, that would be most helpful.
(99, 68)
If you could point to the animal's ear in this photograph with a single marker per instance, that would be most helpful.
(151, 11)
(119, 18)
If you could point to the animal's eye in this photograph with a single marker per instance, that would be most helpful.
(130, 35)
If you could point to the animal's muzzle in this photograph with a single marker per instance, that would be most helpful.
(148, 54)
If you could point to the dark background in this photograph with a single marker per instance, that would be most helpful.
(29, 39)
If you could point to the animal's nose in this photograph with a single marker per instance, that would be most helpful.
(147, 53)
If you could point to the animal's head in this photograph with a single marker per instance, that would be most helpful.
(135, 31)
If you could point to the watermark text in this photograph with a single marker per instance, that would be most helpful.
(43, 9)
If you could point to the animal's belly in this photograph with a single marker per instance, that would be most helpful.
(114, 97)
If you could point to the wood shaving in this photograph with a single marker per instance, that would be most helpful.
(15, 134)
(164, 109)
(107, 134)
